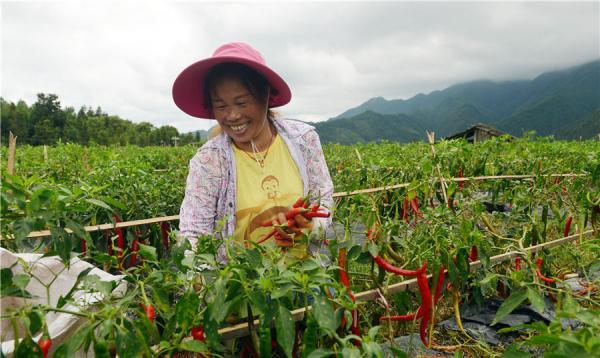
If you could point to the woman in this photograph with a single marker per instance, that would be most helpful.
(258, 165)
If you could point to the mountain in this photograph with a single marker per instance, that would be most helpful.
(370, 127)
(560, 103)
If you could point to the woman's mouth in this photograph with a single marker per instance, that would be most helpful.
(239, 128)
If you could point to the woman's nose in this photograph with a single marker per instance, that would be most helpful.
(233, 114)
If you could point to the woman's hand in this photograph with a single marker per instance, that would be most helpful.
(289, 230)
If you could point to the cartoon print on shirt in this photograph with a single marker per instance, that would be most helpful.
(267, 208)
(270, 184)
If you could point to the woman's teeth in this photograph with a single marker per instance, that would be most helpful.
(240, 127)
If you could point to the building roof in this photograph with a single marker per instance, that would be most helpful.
(476, 126)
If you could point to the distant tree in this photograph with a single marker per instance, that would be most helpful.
(48, 118)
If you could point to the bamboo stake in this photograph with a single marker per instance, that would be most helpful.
(101, 227)
(431, 139)
(12, 149)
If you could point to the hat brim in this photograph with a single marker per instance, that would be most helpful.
(188, 89)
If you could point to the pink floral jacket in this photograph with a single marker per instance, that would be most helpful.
(211, 182)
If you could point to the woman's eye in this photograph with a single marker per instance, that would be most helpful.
(241, 104)
(220, 108)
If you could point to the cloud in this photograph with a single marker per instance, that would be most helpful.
(124, 57)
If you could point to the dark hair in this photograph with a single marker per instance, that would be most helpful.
(256, 84)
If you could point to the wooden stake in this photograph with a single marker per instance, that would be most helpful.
(12, 148)
(431, 139)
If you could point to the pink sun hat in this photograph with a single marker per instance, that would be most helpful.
(188, 89)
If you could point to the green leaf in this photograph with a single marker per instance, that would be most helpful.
(512, 302)
(309, 265)
(62, 300)
(21, 280)
(310, 336)
(537, 301)
(28, 348)
(264, 332)
(513, 352)
(147, 252)
(35, 322)
(320, 353)
(286, 330)
(324, 312)
(129, 343)
(187, 309)
(193, 346)
(114, 202)
(350, 352)
(544, 339)
(101, 349)
(99, 203)
(161, 298)
(77, 339)
(6, 277)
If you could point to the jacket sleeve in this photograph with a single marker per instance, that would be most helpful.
(198, 211)
(320, 184)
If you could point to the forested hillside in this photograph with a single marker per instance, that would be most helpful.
(561, 103)
(46, 122)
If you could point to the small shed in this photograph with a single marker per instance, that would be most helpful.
(477, 133)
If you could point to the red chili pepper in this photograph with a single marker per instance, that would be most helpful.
(293, 212)
(150, 313)
(414, 204)
(473, 256)
(120, 240)
(426, 305)
(405, 209)
(83, 247)
(396, 270)
(45, 343)
(538, 271)
(164, 229)
(461, 184)
(315, 208)
(372, 233)
(318, 214)
(518, 263)
(406, 317)
(134, 250)
(568, 225)
(299, 203)
(267, 237)
(198, 333)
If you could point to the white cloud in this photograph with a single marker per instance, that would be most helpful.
(124, 56)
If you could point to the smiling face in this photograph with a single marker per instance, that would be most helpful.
(240, 114)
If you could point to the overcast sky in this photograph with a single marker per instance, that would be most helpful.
(124, 56)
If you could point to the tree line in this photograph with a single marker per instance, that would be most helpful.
(45, 122)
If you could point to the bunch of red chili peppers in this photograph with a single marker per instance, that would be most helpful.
(300, 207)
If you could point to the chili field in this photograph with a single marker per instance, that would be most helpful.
(445, 249)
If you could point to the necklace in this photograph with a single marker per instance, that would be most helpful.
(257, 156)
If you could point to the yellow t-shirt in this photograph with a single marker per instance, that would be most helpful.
(262, 192)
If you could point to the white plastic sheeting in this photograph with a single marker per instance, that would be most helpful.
(50, 280)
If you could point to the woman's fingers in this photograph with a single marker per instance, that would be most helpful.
(303, 222)
(283, 241)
